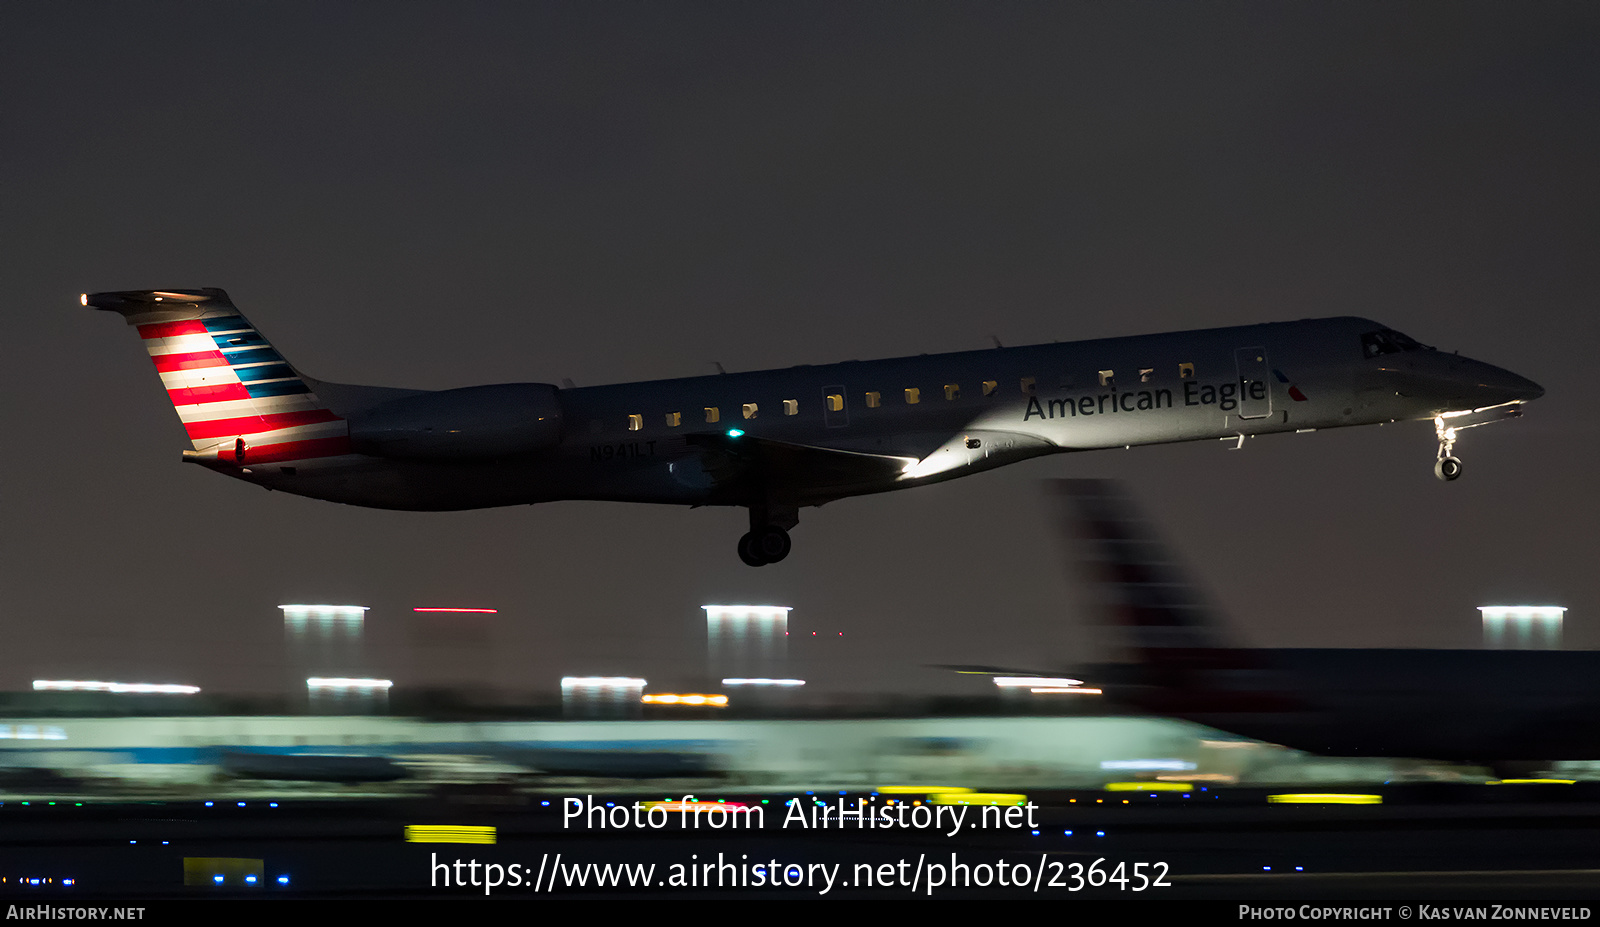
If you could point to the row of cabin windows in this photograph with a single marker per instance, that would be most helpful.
(913, 395)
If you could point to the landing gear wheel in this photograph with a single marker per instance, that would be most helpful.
(764, 545)
(1448, 466)
(748, 552)
(771, 544)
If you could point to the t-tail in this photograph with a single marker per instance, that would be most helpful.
(240, 401)
(1186, 666)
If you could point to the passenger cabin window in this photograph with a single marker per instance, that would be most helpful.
(1028, 388)
(1186, 371)
(952, 391)
(1107, 377)
(712, 415)
(989, 387)
(874, 400)
(1146, 374)
(749, 410)
(791, 407)
(913, 396)
(674, 419)
(635, 422)
(835, 402)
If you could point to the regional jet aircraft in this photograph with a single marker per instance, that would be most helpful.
(1508, 708)
(778, 440)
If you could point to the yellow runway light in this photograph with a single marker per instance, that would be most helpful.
(977, 798)
(1324, 798)
(448, 833)
(1149, 786)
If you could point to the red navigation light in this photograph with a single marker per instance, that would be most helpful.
(474, 611)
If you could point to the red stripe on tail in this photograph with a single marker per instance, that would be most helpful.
(292, 450)
(195, 395)
(167, 363)
(169, 329)
(254, 424)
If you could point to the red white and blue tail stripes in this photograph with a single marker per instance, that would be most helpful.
(235, 394)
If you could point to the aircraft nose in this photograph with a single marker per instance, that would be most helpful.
(1463, 383)
(1510, 386)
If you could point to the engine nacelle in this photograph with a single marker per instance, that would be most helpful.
(474, 422)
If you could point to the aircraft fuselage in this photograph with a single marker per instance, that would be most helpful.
(946, 416)
(778, 440)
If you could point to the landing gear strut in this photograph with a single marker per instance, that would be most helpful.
(767, 541)
(1448, 466)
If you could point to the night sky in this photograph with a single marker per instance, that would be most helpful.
(442, 195)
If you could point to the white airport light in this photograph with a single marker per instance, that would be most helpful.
(32, 732)
(121, 688)
(600, 682)
(1029, 682)
(747, 612)
(762, 681)
(1064, 690)
(1524, 623)
(324, 612)
(345, 684)
(320, 627)
(1163, 764)
(601, 696)
(747, 640)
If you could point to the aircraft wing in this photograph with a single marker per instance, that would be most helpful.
(794, 472)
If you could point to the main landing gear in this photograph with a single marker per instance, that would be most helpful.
(1448, 466)
(767, 541)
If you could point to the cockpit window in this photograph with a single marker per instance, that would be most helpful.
(1389, 341)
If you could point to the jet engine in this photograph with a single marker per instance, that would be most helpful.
(474, 422)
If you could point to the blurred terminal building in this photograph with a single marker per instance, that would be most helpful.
(747, 720)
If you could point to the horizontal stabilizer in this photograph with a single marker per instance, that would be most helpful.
(141, 306)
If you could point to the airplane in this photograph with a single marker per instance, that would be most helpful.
(1513, 710)
(778, 440)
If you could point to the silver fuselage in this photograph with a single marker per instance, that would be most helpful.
(973, 411)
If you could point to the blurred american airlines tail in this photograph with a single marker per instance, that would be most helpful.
(1186, 664)
(239, 400)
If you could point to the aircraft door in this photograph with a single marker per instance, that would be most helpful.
(1255, 384)
(835, 407)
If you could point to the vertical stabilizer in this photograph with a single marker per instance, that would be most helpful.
(239, 400)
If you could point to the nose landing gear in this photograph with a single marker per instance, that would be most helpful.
(1448, 466)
